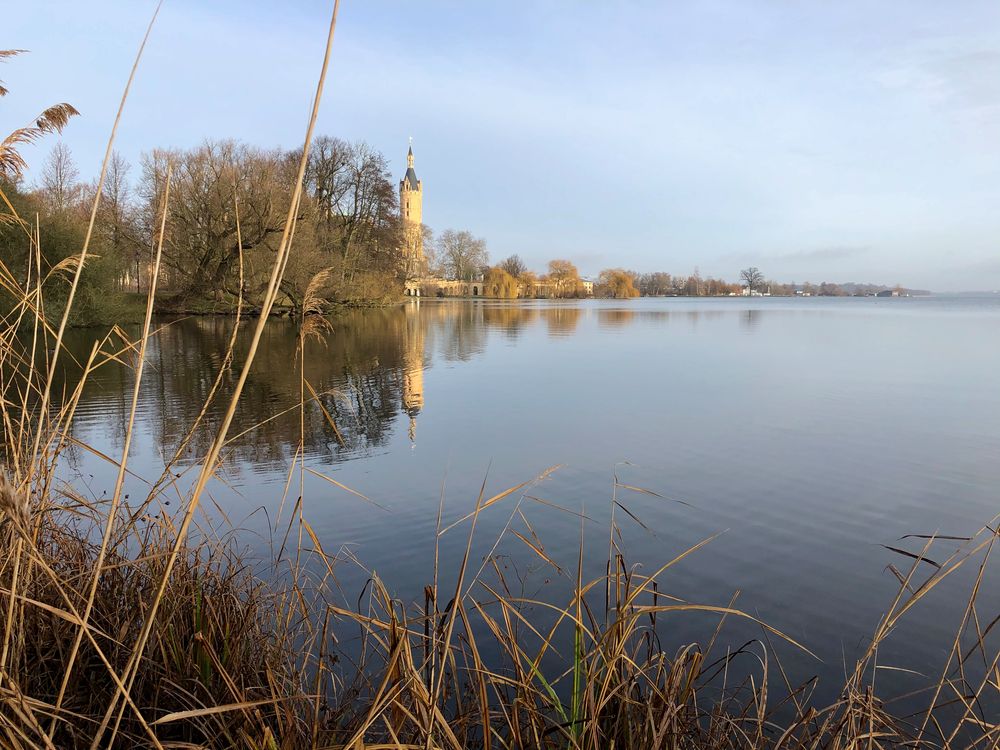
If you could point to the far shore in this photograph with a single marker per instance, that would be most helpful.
(133, 309)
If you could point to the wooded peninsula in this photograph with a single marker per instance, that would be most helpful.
(224, 218)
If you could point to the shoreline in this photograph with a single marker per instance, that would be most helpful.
(134, 304)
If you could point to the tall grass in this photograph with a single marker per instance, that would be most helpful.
(125, 625)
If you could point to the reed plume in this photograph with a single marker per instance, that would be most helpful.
(51, 120)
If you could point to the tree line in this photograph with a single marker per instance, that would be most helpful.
(224, 217)
(511, 279)
(458, 255)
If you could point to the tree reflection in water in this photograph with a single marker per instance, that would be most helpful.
(368, 374)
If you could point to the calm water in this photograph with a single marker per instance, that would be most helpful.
(810, 432)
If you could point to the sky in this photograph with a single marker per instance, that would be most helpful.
(846, 141)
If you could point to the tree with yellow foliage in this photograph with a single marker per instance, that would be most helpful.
(616, 283)
(500, 284)
(564, 277)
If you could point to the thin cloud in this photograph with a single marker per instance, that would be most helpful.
(991, 265)
(837, 252)
(952, 79)
(833, 252)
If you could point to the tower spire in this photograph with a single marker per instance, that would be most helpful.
(409, 154)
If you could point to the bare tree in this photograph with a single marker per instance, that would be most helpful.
(326, 173)
(119, 222)
(462, 255)
(514, 266)
(357, 216)
(60, 177)
(347, 221)
(361, 209)
(432, 264)
(752, 277)
(654, 284)
(202, 248)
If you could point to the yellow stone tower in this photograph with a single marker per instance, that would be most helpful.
(411, 208)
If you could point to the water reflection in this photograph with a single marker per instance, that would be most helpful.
(368, 374)
(457, 327)
(561, 319)
(413, 368)
(615, 318)
(750, 320)
(512, 319)
(365, 374)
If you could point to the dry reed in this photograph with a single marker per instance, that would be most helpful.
(121, 629)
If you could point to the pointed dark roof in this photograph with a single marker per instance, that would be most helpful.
(410, 179)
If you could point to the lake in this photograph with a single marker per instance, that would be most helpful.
(806, 433)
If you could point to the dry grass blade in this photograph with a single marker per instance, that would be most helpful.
(344, 487)
(326, 413)
(500, 496)
(196, 713)
(644, 491)
(918, 558)
(724, 611)
(537, 549)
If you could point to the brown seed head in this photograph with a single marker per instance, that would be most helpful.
(13, 503)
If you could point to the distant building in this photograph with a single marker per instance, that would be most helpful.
(411, 209)
(418, 282)
(888, 293)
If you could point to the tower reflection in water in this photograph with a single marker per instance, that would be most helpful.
(413, 367)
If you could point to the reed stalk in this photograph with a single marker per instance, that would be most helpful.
(125, 625)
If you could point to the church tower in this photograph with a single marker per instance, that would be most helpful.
(411, 208)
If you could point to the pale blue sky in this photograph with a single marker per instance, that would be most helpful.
(841, 141)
